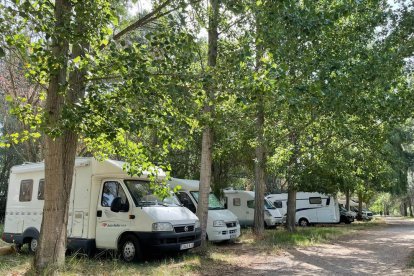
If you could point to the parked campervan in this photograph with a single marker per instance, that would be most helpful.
(222, 225)
(311, 208)
(241, 203)
(108, 210)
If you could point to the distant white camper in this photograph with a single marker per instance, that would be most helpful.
(311, 208)
(222, 225)
(241, 203)
(108, 210)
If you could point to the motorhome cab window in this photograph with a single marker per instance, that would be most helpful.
(278, 204)
(186, 201)
(213, 202)
(41, 190)
(236, 201)
(315, 200)
(267, 204)
(26, 188)
(110, 191)
(143, 195)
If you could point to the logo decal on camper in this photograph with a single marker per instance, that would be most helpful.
(113, 225)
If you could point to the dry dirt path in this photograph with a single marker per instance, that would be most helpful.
(380, 251)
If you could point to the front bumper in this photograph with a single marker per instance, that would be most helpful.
(169, 241)
(223, 233)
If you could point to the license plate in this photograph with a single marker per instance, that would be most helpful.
(233, 236)
(186, 246)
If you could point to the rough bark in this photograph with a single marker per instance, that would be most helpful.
(260, 184)
(59, 157)
(207, 139)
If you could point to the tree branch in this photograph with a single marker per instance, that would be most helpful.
(143, 20)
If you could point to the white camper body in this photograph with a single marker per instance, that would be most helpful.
(222, 224)
(241, 203)
(311, 208)
(93, 222)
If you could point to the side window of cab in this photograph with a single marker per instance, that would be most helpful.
(185, 200)
(111, 190)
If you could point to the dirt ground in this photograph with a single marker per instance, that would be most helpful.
(380, 251)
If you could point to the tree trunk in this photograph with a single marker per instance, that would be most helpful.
(58, 158)
(410, 207)
(207, 139)
(59, 163)
(291, 208)
(359, 216)
(348, 198)
(259, 169)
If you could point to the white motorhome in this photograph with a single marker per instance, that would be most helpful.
(311, 208)
(241, 203)
(108, 210)
(222, 225)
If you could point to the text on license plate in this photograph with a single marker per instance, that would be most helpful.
(186, 246)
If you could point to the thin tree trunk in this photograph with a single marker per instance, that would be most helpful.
(260, 164)
(207, 139)
(359, 216)
(410, 206)
(348, 198)
(291, 208)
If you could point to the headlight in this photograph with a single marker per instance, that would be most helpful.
(197, 224)
(162, 226)
(267, 213)
(219, 223)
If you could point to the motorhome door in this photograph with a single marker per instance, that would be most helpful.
(109, 224)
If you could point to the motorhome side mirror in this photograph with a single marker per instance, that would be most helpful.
(116, 205)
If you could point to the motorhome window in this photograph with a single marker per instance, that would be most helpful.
(213, 202)
(186, 201)
(110, 191)
(250, 204)
(236, 201)
(26, 189)
(278, 204)
(328, 201)
(315, 200)
(143, 195)
(41, 190)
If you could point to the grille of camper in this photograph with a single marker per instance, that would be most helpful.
(231, 224)
(184, 228)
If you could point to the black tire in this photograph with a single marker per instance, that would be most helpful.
(33, 244)
(129, 249)
(303, 222)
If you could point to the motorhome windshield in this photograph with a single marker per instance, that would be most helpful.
(213, 202)
(268, 204)
(143, 195)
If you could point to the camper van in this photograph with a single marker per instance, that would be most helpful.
(311, 208)
(108, 210)
(222, 225)
(241, 203)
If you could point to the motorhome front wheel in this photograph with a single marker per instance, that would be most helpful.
(33, 245)
(303, 222)
(130, 250)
